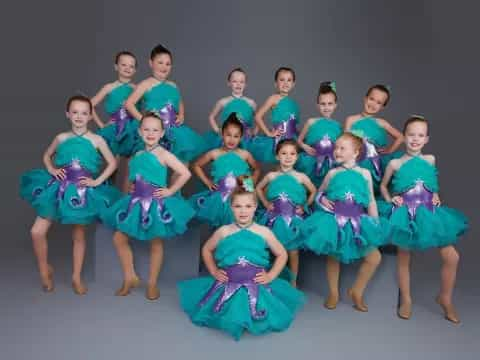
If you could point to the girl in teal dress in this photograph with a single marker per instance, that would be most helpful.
(71, 190)
(152, 211)
(121, 132)
(286, 201)
(318, 136)
(418, 220)
(228, 163)
(158, 94)
(243, 292)
(374, 131)
(345, 225)
(285, 116)
(242, 106)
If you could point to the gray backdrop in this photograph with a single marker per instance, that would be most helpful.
(425, 50)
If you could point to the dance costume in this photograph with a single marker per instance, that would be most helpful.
(65, 201)
(321, 135)
(241, 304)
(347, 232)
(213, 207)
(140, 214)
(418, 224)
(285, 116)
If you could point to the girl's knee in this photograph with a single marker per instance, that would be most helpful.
(450, 255)
(374, 258)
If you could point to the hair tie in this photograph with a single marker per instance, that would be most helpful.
(248, 185)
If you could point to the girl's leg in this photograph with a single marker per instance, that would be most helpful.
(403, 275)
(79, 246)
(450, 259)
(365, 273)
(293, 260)
(156, 261)
(130, 278)
(333, 275)
(39, 232)
(123, 173)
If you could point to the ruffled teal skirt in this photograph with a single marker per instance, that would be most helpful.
(281, 303)
(307, 164)
(322, 235)
(289, 236)
(127, 143)
(210, 208)
(68, 209)
(439, 228)
(170, 222)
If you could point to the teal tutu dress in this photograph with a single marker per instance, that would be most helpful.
(347, 233)
(180, 140)
(140, 214)
(321, 135)
(213, 207)
(374, 137)
(121, 134)
(245, 113)
(285, 193)
(286, 116)
(65, 201)
(417, 224)
(241, 305)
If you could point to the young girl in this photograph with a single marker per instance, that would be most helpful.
(285, 117)
(376, 154)
(242, 106)
(417, 220)
(158, 94)
(286, 201)
(228, 162)
(243, 291)
(152, 211)
(318, 136)
(70, 190)
(121, 132)
(346, 226)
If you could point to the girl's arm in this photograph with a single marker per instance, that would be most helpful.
(181, 113)
(198, 165)
(271, 101)
(253, 104)
(387, 176)
(323, 200)
(179, 168)
(109, 159)
(372, 205)
(348, 123)
(261, 193)
(47, 159)
(208, 258)
(393, 132)
(213, 114)
(312, 190)
(308, 149)
(280, 258)
(135, 97)
(436, 197)
(253, 165)
(97, 99)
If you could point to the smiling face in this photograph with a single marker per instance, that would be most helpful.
(287, 155)
(126, 66)
(161, 66)
(237, 82)
(416, 136)
(243, 207)
(284, 82)
(345, 150)
(151, 130)
(374, 102)
(79, 113)
(231, 135)
(327, 104)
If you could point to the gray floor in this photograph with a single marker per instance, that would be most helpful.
(62, 325)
